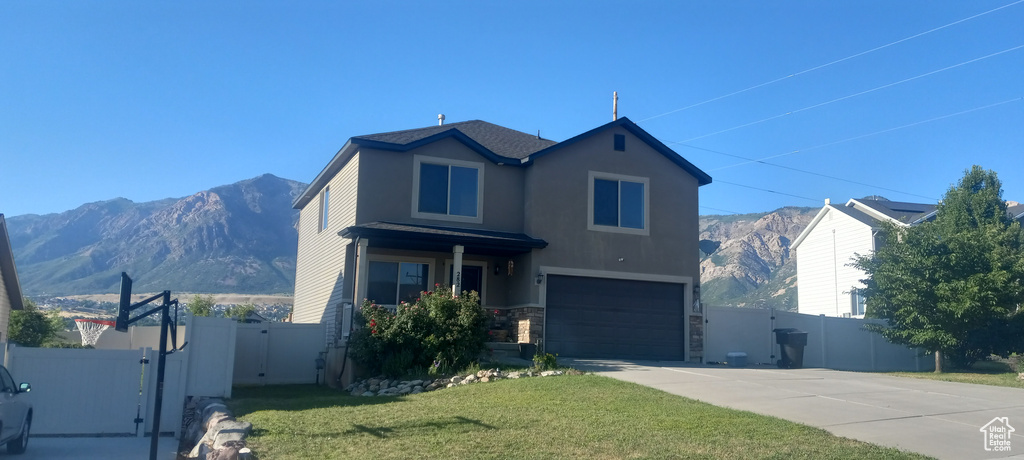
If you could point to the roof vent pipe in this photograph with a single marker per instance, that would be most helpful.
(615, 105)
(440, 119)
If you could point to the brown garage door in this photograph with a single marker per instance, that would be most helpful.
(615, 319)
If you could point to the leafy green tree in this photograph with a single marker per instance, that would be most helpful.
(201, 305)
(238, 312)
(32, 327)
(953, 286)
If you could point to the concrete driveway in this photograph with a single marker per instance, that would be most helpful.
(940, 419)
(107, 448)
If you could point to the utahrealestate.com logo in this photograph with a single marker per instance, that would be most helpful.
(997, 434)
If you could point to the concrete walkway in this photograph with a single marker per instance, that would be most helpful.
(940, 419)
(105, 448)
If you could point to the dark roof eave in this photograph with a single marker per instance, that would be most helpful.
(702, 177)
(325, 176)
(523, 244)
(454, 133)
(8, 268)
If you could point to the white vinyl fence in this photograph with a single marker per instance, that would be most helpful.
(103, 391)
(277, 353)
(136, 337)
(833, 343)
(97, 392)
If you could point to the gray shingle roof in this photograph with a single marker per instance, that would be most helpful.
(898, 210)
(498, 139)
(1016, 211)
(856, 214)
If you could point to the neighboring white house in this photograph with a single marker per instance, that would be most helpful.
(827, 284)
(10, 287)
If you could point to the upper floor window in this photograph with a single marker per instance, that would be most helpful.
(618, 203)
(325, 196)
(447, 189)
(858, 302)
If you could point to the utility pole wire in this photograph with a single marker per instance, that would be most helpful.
(769, 191)
(813, 173)
(721, 210)
(868, 134)
(854, 95)
(831, 63)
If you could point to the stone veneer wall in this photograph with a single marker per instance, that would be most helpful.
(697, 338)
(526, 324)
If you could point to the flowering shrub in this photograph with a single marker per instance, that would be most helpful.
(438, 333)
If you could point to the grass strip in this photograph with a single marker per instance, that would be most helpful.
(584, 416)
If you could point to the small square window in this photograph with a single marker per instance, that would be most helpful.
(620, 142)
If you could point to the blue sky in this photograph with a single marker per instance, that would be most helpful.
(157, 99)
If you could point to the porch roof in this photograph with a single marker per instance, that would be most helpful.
(442, 239)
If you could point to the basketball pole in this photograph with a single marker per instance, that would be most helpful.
(154, 444)
(124, 312)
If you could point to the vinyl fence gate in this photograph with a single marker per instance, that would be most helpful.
(97, 392)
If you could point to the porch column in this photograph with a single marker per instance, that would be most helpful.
(457, 270)
(362, 272)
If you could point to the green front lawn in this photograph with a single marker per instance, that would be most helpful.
(983, 372)
(584, 416)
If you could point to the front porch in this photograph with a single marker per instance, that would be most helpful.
(393, 263)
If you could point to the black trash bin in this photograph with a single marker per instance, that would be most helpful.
(791, 343)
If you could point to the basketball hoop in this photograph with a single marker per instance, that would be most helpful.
(91, 329)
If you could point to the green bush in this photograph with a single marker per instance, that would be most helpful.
(545, 361)
(439, 332)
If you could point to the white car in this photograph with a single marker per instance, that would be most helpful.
(15, 413)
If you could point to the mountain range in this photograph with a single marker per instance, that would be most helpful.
(241, 238)
(746, 261)
(238, 238)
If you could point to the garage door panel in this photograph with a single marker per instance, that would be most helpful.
(610, 318)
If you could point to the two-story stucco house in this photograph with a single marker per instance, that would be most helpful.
(589, 245)
(10, 287)
(827, 283)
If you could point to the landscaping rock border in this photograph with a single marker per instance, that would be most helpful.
(382, 386)
(213, 433)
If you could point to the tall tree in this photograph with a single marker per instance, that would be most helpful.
(239, 312)
(201, 305)
(31, 327)
(953, 286)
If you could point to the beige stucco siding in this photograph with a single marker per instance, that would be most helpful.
(825, 278)
(5, 308)
(557, 188)
(320, 261)
(386, 187)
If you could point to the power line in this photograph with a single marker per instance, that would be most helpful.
(720, 210)
(872, 134)
(812, 173)
(769, 191)
(831, 63)
(854, 95)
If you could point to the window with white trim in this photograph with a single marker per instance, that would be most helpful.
(390, 283)
(618, 203)
(447, 189)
